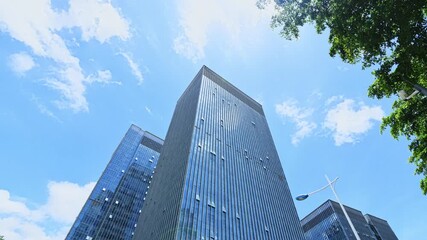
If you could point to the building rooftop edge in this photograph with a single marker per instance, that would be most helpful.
(329, 201)
(147, 132)
(370, 215)
(204, 67)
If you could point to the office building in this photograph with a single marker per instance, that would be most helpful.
(113, 207)
(219, 175)
(329, 222)
(381, 228)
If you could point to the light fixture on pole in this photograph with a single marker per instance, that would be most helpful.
(331, 185)
(418, 89)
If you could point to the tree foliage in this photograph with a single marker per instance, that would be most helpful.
(388, 35)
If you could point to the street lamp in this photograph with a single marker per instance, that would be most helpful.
(418, 89)
(331, 185)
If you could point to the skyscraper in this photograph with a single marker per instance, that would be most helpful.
(380, 227)
(113, 207)
(219, 175)
(328, 222)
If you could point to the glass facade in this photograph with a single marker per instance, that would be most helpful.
(328, 222)
(219, 175)
(113, 207)
(381, 228)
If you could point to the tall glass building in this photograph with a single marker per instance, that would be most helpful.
(381, 228)
(113, 207)
(328, 222)
(219, 175)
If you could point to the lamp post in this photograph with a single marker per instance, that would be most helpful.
(418, 89)
(330, 184)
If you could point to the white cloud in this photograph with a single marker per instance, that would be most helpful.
(14, 228)
(39, 26)
(348, 120)
(9, 206)
(21, 62)
(48, 222)
(96, 19)
(345, 119)
(134, 67)
(289, 110)
(236, 19)
(66, 194)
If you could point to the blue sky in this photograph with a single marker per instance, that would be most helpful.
(75, 74)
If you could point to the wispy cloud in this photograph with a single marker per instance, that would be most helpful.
(21, 63)
(43, 109)
(148, 110)
(342, 68)
(18, 221)
(299, 116)
(102, 76)
(198, 19)
(134, 67)
(348, 120)
(38, 26)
